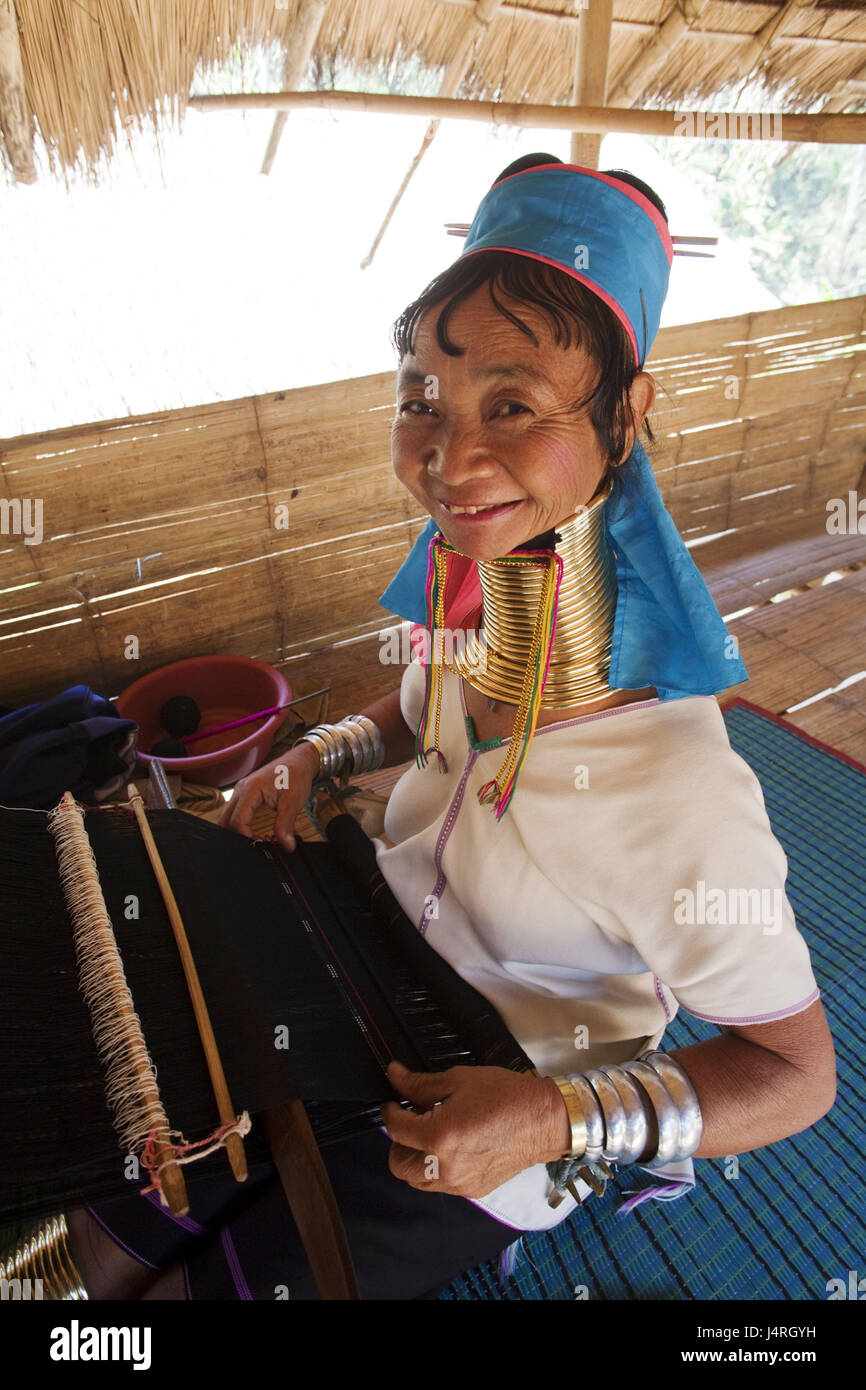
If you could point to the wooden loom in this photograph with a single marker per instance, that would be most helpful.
(308, 948)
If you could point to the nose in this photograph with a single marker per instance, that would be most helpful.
(457, 455)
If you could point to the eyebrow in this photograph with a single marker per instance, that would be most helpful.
(410, 376)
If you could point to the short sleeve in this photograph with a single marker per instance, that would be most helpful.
(691, 874)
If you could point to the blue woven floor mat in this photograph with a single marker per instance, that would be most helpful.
(781, 1222)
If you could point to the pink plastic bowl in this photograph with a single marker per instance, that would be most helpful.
(224, 688)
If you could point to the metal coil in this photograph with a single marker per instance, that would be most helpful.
(495, 661)
(39, 1266)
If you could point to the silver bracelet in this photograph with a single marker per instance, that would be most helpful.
(335, 752)
(321, 747)
(613, 1110)
(353, 746)
(684, 1097)
(612, 1100)
(359, 746)
(374, 733)
(637, 1129)
(667, 1114)
(594, 1117)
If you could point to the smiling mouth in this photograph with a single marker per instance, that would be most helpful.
(483, 509)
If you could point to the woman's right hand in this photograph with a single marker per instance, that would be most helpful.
(284, 785)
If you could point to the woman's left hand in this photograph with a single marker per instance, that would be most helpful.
(472, 1128)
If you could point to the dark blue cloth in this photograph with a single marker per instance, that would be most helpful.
(242, 1243)
(75, 742)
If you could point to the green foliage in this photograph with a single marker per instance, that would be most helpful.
(799, 209)
(260, 69)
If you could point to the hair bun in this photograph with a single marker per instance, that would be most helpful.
(527, 161)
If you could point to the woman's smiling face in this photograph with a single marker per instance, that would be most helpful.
(496, 428)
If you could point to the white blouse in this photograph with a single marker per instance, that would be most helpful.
(635, 870)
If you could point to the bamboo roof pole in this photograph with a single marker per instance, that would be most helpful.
(631, 84)
(754, 53)
(478, 21)
(813, 127)
(299, 46)
(676, 26)
(14, 110)
(851, 90)
(590, 75)
(565, 20)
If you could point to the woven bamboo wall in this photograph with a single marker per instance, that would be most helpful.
(162, 527)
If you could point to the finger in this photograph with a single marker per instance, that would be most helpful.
(227, 813)
(284, 821)
(408, 1129)
(420, 1087)
(239, 811)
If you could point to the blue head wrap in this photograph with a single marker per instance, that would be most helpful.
(593, 226)
(667, 631)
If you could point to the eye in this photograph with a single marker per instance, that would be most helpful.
(505, 409)
(414, 408)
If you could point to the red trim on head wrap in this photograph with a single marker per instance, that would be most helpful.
(575, 275)
(628, 189)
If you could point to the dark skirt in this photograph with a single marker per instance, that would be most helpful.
(240, 1242)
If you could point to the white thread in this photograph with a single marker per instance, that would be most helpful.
(242, 1126)
(136, 1108)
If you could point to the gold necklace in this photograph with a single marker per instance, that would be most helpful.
(495, 660)
(548, 620)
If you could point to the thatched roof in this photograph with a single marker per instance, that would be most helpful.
(91, 66)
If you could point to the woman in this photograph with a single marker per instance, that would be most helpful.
(574, 795)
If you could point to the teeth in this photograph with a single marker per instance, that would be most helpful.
(459, 511)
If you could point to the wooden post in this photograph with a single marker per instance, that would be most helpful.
(590, 75)
(806, 127)
(14, 111)
(302, 39)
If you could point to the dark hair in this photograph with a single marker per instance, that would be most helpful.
(578, 316)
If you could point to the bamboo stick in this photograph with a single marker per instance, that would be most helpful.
(806, 128)
(233, 1143)
(480, 19)
(300, 44)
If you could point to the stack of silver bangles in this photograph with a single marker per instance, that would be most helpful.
(609, 1122)
(346, 749)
